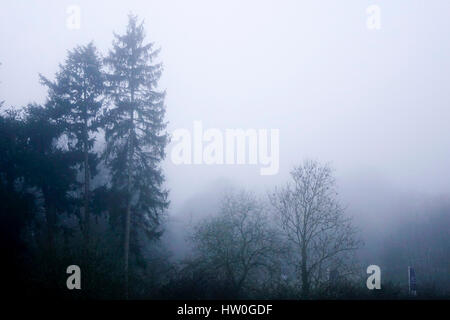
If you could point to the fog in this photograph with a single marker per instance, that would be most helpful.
(372, 103)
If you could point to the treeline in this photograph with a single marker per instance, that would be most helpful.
(422, 240)
(81, 184)
(68, 200)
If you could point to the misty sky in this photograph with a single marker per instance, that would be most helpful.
(376, 104)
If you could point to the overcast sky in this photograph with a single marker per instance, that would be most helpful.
(374, 103)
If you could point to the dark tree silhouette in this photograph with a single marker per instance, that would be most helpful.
(75, 99)
(49, 167)
(314, 222)
(135, 133)
(239, 244)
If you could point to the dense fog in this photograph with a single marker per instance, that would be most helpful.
(351, 96)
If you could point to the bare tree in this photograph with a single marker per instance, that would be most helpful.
(238, 244)
(313, 222)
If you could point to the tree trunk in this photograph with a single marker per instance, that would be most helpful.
(304, 274)
(127, 238)
(87, 215)
(50, 219)
(129, 190)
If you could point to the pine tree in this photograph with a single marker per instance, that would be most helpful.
(135, 134)
(48, 166)
(76, 99)
(17, 203)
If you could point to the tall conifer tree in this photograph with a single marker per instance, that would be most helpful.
(135, 134)
(75, 99)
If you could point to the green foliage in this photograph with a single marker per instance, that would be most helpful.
(135, 128)
(76, 96)
(45, 150)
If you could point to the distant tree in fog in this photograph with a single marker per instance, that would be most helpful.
(238, 245)
(314, 224)
(423, 242)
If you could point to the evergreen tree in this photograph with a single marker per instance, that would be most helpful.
(49, 167)
(75, 99)
(17, 204)
(135, 135)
